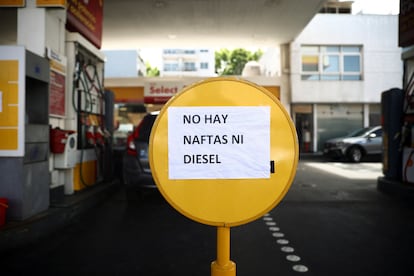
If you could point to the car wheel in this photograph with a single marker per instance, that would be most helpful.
(355, 154)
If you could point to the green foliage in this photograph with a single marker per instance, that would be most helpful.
(152, 72)
(232, 62)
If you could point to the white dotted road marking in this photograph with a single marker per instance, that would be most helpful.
(274, 229)
(293, 258)
(278, 235)
(286, 249)
(300, 268)
(282, 241)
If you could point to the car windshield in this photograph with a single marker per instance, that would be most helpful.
(359, 132)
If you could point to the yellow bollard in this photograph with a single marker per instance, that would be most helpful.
(223, 266)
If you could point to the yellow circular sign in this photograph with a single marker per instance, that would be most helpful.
(223, 152)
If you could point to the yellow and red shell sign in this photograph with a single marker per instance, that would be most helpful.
(86, 17)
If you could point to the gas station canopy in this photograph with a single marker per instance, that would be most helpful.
(131, 24)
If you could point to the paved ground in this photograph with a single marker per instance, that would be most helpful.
(342, 225)
(328, 224)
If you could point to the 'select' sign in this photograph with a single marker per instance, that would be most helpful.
(219, 142)
(160, 92)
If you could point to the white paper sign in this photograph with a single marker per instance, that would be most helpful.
(219, 142)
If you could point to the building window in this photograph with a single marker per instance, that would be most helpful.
(337, 7)
(171, 67)
(332, 62)
(179, 51)
(203, 65)
(189, 52)
(189, 66)
(169, 51)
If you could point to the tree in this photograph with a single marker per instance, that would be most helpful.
(232, 62)
(152, 72)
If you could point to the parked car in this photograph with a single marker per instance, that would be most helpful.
(136, 171)
(356, 145)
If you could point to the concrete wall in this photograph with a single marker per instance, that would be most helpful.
(122, 64)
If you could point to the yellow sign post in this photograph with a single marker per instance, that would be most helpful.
(223, 152)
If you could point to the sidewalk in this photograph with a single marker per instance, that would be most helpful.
(18, 233)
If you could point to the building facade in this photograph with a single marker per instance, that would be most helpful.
(123, 64)
(337, 68)
(188, 62)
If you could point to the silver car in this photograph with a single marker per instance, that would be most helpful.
(355, 146)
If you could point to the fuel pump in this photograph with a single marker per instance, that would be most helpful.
(87, 114)
(407, 141)
(398, 157)
(89, 103)
(398, 133)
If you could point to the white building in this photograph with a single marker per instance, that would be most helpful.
(270, 62)
(123, 64)
(338, 66)
(188, 62)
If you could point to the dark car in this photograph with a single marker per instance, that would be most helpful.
(356, 145)
(136, 171)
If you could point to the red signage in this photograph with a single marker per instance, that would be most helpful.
(57, 94)
(160, 92)
(57, 82)
(86, 18)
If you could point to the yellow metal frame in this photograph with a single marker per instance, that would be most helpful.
(223, 266)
